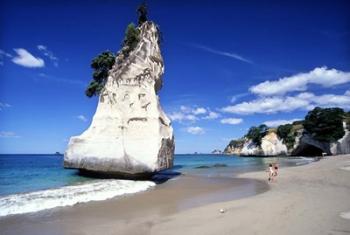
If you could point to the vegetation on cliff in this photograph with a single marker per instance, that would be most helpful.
(325, 125)
(101, 64)
(257, 133)
(105, 61)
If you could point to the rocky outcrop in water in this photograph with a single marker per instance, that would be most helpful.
(130, 135)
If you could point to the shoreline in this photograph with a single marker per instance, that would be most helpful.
(186, 204)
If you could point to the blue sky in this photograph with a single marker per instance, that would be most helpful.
(228, 65)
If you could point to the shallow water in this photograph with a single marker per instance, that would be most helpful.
(30, 183)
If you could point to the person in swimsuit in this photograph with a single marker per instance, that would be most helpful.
(275, 169)
(271, 172)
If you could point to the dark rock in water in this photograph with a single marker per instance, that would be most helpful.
(202, 167)
(215, 165)
(219, 165)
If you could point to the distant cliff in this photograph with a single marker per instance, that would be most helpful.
(322, 131)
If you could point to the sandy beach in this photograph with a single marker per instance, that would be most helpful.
(308, 199)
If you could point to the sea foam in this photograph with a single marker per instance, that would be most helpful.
(69, 195)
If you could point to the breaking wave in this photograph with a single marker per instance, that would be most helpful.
(69, 195)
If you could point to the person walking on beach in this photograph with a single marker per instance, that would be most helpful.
(271, 172)
(275, 169)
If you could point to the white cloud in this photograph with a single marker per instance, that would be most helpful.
(320, 76)
(24, 58)
(347, 93)
(2, 55)
(8, 134)
(198, 111)
(231, 121)
(223, 53)
(188, 113)
(4, 105)
(195, 130)
(178, 116)
(82, 118)
(5, 54)
(234, 98)
(48, 54)
(211, 115)
(275, 123)
(302, 101)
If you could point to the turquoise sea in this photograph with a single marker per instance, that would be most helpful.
(34, 182)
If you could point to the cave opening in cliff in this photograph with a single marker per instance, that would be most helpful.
(310, 150)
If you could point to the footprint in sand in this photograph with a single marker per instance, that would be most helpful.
(345, 215)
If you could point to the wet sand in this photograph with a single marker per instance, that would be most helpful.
(122, 215)
(308, 199)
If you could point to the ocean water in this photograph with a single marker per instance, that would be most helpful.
(30, 183)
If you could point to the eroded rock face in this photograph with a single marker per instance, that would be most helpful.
(305, 145)
(271, 145)
(130, 135)
(342, 146)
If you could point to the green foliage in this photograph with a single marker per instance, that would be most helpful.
(325, 124)
(132, 38)
(287, 134)
(257, 133)
(142, 11)
(101, 65)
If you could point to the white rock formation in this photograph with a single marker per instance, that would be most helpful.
(130, 135)
(271, 145)
(342, 146)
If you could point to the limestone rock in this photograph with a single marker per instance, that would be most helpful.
(271, 145)
(130, 135)
(342, 146)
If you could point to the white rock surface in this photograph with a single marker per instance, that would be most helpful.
(130, 135)
(342, 146)
(271, 145)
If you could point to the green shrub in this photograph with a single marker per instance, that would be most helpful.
(101, 65)
(325, 124)
(287, 133)
(257, 133)
(132, 38)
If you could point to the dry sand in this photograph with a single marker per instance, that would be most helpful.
(309, 199)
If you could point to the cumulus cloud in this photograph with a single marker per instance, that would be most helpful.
(4, 105)
(8, 134)
(26, 59)
(302, 101)
(198, 111)
(180, 117)
(191, 113)
(211, 115)
(275, 123)
(48, 54)
(299, 82)
(195, 130)
(82, 118)
(231, 121)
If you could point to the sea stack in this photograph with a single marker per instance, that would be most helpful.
(130, 135)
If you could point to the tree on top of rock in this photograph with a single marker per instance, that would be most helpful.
(142, 11)
(325, 125)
